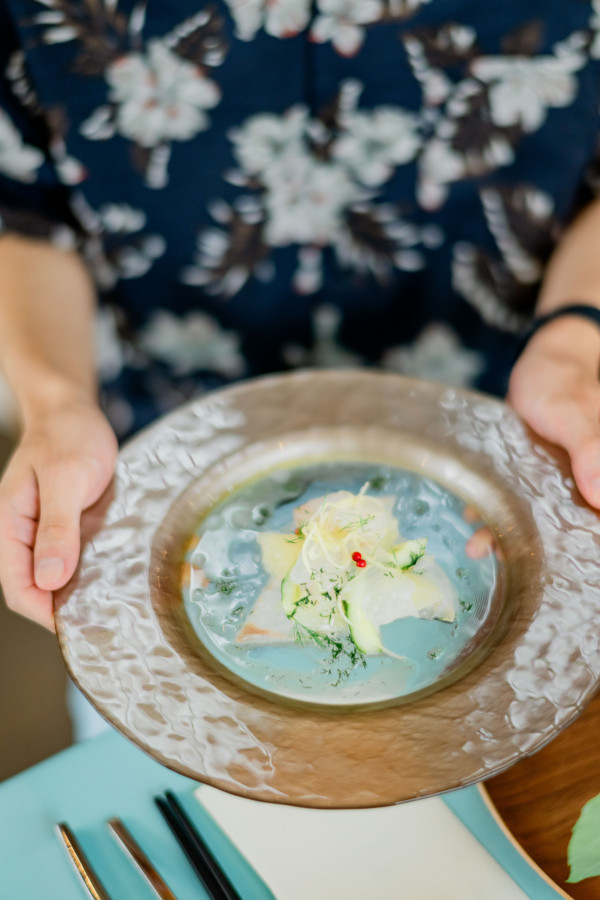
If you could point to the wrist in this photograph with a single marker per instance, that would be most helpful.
(570, 337)
(46, 393)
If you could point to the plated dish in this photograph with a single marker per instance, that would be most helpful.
(302, 583)
(276, 596)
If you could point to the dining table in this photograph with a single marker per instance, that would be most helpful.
(522, 817)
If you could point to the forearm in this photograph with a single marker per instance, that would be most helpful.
(573, 276)
(46, 324)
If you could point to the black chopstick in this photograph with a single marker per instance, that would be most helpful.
(193, 845)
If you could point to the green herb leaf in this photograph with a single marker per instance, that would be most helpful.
(359, 522)
(342, 650)
(225, 585)
(584, 846)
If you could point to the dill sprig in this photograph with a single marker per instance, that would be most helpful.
(359, 524)
(343, 656)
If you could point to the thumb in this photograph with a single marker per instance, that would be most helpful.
(57, 543)
(585, 460)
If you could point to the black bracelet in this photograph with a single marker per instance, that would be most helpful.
(585, 311)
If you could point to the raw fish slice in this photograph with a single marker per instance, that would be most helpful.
(383, 598)
(303, 513)
(267, 623)
(389, 594)
(346, 508)
(193, 576)
(368, 521)
(427, 569)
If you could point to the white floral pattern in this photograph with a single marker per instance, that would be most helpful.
(116, 247)
(316, 184)
(456, 39)
(159, 96)
(372, 144)
(305, 200)
(110, 349)
(17, 159)
(266, 139)
(482, 292)
(521, 221)
(157, 93)
(279, 18)
(191, 343)
(595, 30)
(327, 352)
(20, 82)
(155, 98)
(342, 21)
(437, 355)
(476, 121)
(537, 208)
(522, 90)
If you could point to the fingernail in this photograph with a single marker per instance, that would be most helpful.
(48, 571)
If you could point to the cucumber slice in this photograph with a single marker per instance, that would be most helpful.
(408, 553)
(290, 595)
(364, 634)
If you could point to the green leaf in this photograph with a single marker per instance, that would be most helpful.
(584, 846)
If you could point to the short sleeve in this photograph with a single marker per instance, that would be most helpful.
(33, 201)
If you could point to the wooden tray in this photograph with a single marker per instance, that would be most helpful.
(540, 798)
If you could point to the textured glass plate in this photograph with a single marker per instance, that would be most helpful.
(531, 665)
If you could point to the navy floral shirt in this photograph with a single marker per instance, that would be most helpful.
(263, 184)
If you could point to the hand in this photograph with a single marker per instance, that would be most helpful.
(63, 464)
(554, 386)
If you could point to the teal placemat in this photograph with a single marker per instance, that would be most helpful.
(108, 776)
(85, 786)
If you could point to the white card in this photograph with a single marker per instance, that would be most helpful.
(414, 851)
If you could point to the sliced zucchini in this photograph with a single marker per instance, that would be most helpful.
(408, 553)
(364, 634)
(290, 595)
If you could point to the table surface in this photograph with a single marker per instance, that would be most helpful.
(87, 784)
(540, 798)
